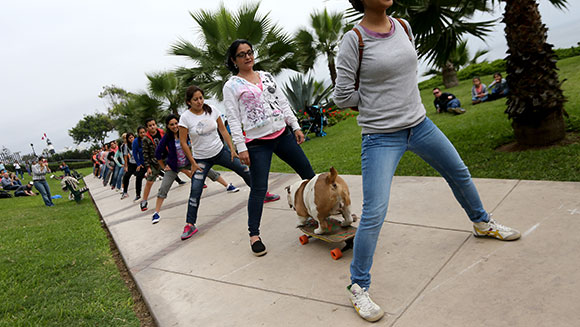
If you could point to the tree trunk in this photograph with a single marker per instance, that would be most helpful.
(551, 129)
(332, 69)
(535, 100)
(449, 75)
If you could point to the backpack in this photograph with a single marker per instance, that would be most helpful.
(361, 46)
(5, 195)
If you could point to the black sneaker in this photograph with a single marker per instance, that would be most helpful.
(258, 248)
(143, 205)
(181, 182)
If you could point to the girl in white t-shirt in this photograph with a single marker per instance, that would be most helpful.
(202, 124)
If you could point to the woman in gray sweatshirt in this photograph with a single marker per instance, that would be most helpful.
(38, 171)
(393, 120)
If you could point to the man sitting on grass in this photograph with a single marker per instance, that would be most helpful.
(25, 190)
(7, 183)
(447, 102)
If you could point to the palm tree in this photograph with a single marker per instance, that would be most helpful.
(302, 93)
(536, 101)
(438, 26)
(165, 87)
(274, 48)
(328, 31)
(459, 58)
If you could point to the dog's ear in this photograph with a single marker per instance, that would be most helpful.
(331, 178)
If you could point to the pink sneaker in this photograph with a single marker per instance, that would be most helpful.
(188, 232)
(270, 197)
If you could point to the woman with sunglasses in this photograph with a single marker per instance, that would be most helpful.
(262, 123)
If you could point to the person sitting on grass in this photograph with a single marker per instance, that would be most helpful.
(7, 183)
(24, 190)
(446, 102)
(478, 91)
(498, 87)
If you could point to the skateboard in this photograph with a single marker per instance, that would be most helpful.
(335, 234)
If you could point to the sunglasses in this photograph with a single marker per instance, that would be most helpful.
(242, 55)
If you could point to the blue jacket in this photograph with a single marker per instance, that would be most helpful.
(167, 150)
(138, 153)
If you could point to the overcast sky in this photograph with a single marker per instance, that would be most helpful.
(57, 55)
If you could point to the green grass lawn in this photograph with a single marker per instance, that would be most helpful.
(476, 134)
(56, 267)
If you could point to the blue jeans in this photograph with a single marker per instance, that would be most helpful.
(454, 103)
(42, 187)
(260, 151)
(482, 99)
(118, 177)
(380, 156)
(224, 159)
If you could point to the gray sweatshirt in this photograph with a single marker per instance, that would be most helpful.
(39, 172)
(388, 97)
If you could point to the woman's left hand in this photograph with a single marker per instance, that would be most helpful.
(299, 136)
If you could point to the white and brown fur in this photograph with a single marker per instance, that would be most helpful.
(324, 195)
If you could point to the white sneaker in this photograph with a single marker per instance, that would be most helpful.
(362, 303)
(495, 230)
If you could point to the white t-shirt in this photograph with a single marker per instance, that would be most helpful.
(203, 133)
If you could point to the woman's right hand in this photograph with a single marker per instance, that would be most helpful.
(138, 167)
(244, 157)
(195, 167)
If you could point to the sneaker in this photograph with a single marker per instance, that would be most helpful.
(143, 205)
(188, 231)
(457, 111)
(270, 197)
(137, 199)
(495, 230)
(232, 189)
(124, 196)
(362, 303)
(155, 219)
(258, 248)
(181, 182)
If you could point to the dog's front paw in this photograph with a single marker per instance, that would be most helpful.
(318, 231)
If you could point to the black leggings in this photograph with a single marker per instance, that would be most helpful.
(132, 170)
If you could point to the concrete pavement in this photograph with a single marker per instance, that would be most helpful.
(428, 268)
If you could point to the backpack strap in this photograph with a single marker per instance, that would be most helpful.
(361, 46)
(405, 28)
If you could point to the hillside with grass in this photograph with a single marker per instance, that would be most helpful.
(476, 134)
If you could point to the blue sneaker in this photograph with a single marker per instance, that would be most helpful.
(155, 218)
(232, 189)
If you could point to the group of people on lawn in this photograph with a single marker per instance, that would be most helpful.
(448, 102)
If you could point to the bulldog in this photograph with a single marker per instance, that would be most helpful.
(321, 197)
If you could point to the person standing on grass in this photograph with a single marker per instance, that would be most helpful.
(39, 170)
(140, 169)
(393, 120)
(256, 105)
(202, 124)
(18, 169)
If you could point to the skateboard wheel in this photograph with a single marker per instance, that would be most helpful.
(303, 239)
(336, 254)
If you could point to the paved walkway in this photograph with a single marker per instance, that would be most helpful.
(428, 269)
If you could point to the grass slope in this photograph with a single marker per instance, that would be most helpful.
(476, 134)
(56, 267)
